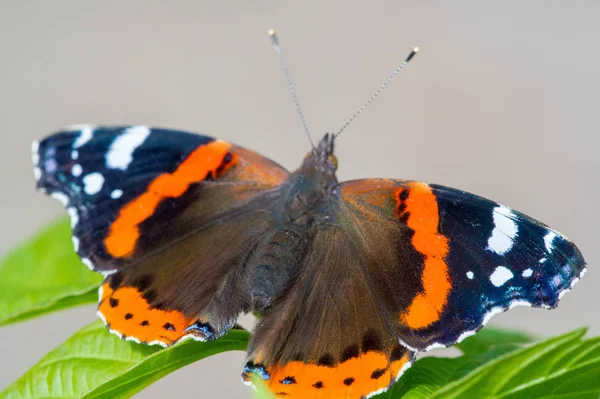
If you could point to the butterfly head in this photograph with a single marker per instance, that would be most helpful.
(322, 155)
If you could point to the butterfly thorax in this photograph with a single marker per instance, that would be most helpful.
(310, 187)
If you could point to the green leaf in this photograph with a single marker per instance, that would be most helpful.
(95, 364)
(44, 275)
(489, 338)
(261, 390)
(557, 368)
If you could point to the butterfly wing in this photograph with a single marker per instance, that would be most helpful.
(404, 267)
(327, 335)
(153, 209)
(446, 261)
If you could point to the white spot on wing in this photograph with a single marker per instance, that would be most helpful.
(35, 156)
(76, 170)
(466, 335)
(548, 239)
(494, 311)
(120, 153)
(75, 243)
(518, 303)
(74, 154)
(527, 273)
(73, 215)
(505, 230)
(160, 343)
(116, 194)
(486, 318)
(575, 281)
(87, 132)
(470, 275)
(500, 276)
(248, 383)
(61, 197)
(37, 173)
(88, 263)
(93, 183)
(50, 165)
(557, 280)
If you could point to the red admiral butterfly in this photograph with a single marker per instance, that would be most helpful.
(351, 279)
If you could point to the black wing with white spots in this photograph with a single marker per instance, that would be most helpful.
(498, 258)
(94, 172)
(446, 261)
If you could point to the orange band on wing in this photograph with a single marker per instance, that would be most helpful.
(353, 379)
(423, 219)
(206, 159)
(125, 311)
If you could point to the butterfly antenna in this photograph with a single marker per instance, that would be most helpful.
(381, 88)
(288, 78)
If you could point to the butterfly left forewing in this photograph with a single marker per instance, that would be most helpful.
(153, 209)
(461, 258)
(124, 185)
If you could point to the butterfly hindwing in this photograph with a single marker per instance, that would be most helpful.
(152, 209)
(326, 336)
(462, 258)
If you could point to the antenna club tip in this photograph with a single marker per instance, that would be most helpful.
(416, 49)
(271, 32)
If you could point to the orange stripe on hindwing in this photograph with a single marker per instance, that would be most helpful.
(352, 379)
(419, 202)
(203, 161)
(126, 311)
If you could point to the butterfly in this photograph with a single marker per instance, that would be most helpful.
(351, 279)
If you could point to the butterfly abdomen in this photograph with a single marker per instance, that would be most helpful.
(275, 264)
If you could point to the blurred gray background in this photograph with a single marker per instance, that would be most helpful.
(502, 101)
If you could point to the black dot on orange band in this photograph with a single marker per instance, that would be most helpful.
(350, 352)
(404, 218)
(401, 208)
(326, 360)
(348, 381)
(377, 373)
(115, 280)
(318, 384)
(288, 380)
(113, 302)
(143, 282)
(397, 353)
(403, 195)
(128, 316)
(169, 326)
(144, 323)
(149, 296)
(226, 161)
(371, 342)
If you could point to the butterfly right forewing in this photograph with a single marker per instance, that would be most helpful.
(461, 258)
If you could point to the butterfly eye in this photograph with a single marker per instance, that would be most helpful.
(333, 159)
